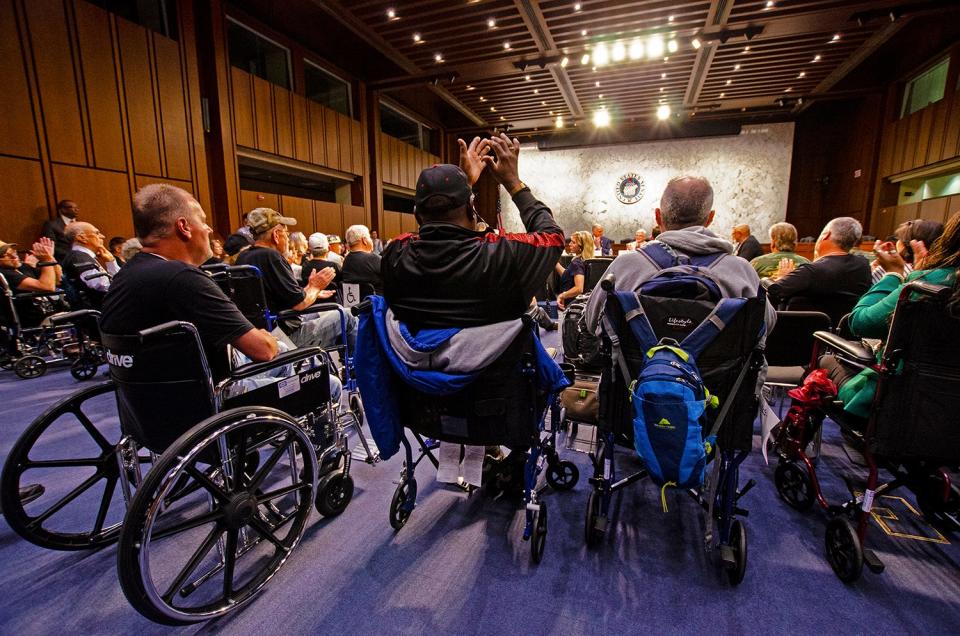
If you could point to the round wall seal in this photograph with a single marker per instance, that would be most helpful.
(630, 188)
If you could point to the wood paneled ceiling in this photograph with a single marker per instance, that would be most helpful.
(523, 63)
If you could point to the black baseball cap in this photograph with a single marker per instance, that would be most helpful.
(442, 185)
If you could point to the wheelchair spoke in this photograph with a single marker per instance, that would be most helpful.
(73, 494)
(229, 561)
(191, 565)
(189, 524)
(92, 430)
(240, 462)
(269, 464)
(264, 531)
(280, 492)
(104, 504)
(62, 463)
(208, 484)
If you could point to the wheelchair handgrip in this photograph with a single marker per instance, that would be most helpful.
(165, 327)
(362, 307)
(285, 358)
(608, 283)
(70, 316)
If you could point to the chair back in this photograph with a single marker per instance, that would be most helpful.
(164, 384)
(834, 305)
(790, 344)
(243, 284)
(593, 271)
(8, 311)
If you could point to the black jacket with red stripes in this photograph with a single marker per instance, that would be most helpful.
(449, 276)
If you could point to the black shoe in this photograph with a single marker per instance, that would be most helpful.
(31, 492)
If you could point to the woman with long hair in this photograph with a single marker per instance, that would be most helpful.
(571, 278)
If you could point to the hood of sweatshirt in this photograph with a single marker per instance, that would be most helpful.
(696, 239)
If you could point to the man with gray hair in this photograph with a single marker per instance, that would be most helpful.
(685, 212)
(361, 266)
(834, 281)
(88, 266)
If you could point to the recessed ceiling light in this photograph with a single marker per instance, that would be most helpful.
(564, 62)
(663, 76)
(743, 110)
(600, 54)
(736, 67)
(493, 109)
(502, 118)
(417, 38)
(672, 46)
(536, 91)
(585, 59)
(802, 74)
(788, 89)
(816, 58)
(600, 96)
(662, 89)
(583, 32)
(491, 24)
(551, 112)
(391, 14)
(670, 18)
(636, 50)
(597, 84)
(836, 36)
(619, 52)
(482, 98)
(666, 59)
(543, 103)
(527, 77)
(695, 43)
(601, 118)
(769, 4)
(471, 87)
(559, 122)
(746, 49)
(663, 112)
(506, 46)
(729, 82)
(655, 47)
(722, 95)
(438, 57)
(576, 6)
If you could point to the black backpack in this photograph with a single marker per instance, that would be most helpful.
(581, 347)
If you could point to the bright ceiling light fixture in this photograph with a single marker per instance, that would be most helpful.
(438, 58)
(559, 122)
(391, 14)
(663, 112)
(655, 47)
(491, 24)
(417, 38)
(836, 36)
(585, 59)
(619, 52)
(601, 118)
(601, 56)
(506, 46)
(636, 50)
(672, 46)
(695, 43)
(816, 58)
(564, 62)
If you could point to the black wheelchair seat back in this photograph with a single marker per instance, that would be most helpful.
(243, 285)
(917, 407)
(502, 406)
(164, 385)
(720, 364)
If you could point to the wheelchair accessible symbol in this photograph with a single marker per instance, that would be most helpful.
(351, 294)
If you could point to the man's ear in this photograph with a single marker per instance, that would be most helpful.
(183, 228)
(709, 218)
(656, 214)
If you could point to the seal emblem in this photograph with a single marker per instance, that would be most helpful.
(630, 188)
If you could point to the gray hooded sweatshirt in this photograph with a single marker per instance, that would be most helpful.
(736, 277)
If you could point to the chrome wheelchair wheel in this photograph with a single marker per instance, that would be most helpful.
(204, 553)
(77, 462)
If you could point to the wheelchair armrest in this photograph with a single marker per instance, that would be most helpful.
(39, 294)
(70, 316)
(852, 349)
(362, 307)
(285, 358)
(927, 289)
(312, 309)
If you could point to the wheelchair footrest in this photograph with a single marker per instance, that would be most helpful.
(872, 561)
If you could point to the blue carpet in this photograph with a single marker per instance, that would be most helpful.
(459, 566)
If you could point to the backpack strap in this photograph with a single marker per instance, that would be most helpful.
(707, 260)
(658, 254)
(637, 319)
(705, 333)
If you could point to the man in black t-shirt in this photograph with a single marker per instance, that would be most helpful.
(316, 259)
(282, 290)
(44, 276)
(361, 265)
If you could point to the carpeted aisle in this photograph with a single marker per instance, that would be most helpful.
(459, 566)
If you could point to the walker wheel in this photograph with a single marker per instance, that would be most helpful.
(794, 485)
(844, 552)
(539, 538)
(592, 535)
(563, 475)
(738, 543)
(399, 509)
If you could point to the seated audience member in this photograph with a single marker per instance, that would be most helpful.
(568, 247)
(55, 228)
(282, 290)
(89, 266)
(361, 265)
(747, 245)
(685, 213)
(602, 246)
(216, 251)
(783, 242)
(43, 277)
(377, 243)
(872, 314)
(115, 246)
(639, 238)
(449, 274)
(572, 277)
(336, 249)
(835, 279)
(316, 259)
(296, 252)
(654, 233)
(923, 230)
(130, 248)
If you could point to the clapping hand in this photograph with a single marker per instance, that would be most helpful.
(504, 166)
(785, 267)
(43, 249)
(471, 158)
(319, 279)
(888, 257)
(326, 293)
(919, 253)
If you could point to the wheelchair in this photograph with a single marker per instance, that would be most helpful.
(730, 366)
(232, 473)
(912, 431)
(502, 406)
(70, 337)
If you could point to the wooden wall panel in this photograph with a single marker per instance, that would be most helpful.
(935, 209)
(345, 141)
(910, 143)
(953, 206)
(318, 133)
(138, 90)
(935, 146)
(329, 217)
(141, 180)
(100, 84)
(250, 199)
(392, 226)
(241, 85)
(23, 207)
(359, 165)
(923, 137)
(302, 211)
(59, 94)
(263, 113)
(18, 134)
(408, 223)
(951, 138)
(301, 127)
(103, 196)
(904, 213)
(353, 215)
(331, 139)
(173, 108)
(281, 104)
(882, 225)
(899, 143)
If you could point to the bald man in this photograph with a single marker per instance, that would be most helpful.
(89, 266)
(747, 245)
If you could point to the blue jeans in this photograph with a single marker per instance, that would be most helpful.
(323, 330)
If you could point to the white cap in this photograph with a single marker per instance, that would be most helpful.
(318, 241)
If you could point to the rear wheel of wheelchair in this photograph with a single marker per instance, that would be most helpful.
(844, 552)
(738, 543)
(356, 407)
(563, 475)
(591, 534)
(538, 539)
(334, 493)
(794, 485)
(211, 549)
(84, 367)
(76, 462)
(399, 510)
(30, 366)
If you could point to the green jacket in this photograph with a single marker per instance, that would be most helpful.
(768, 264)
(871, 317)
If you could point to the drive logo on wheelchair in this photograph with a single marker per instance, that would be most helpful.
(115, 360)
